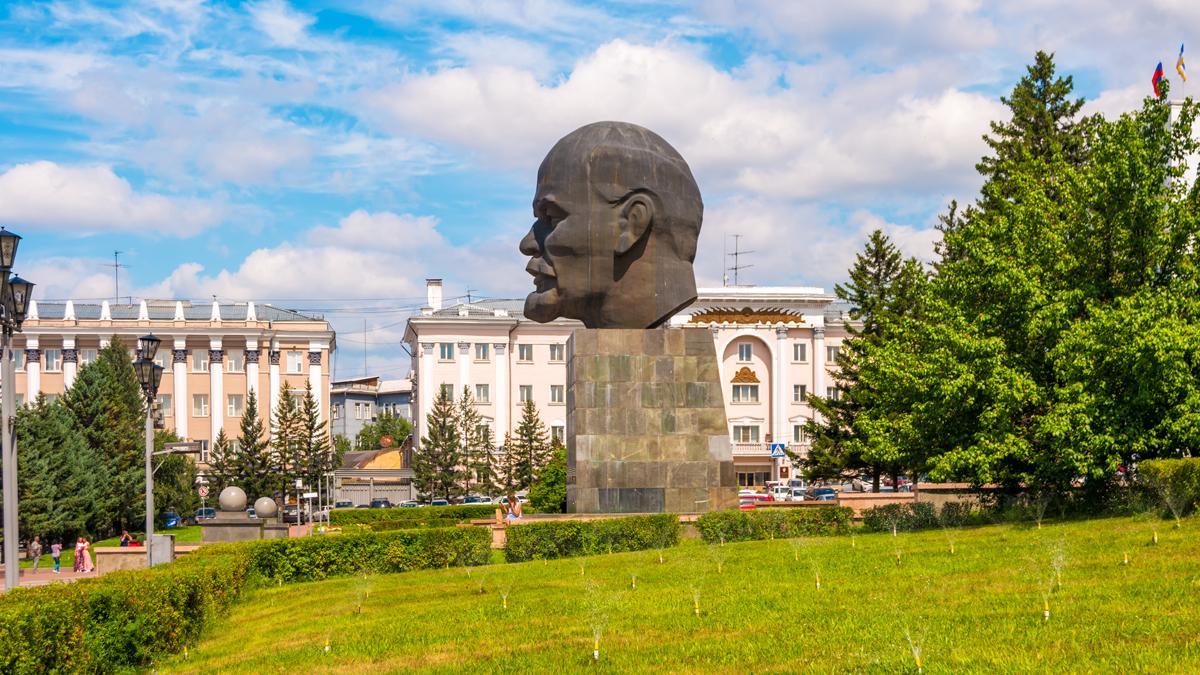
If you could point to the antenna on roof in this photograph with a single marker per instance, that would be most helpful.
(469, 292)
(736, 255)
(116, 265)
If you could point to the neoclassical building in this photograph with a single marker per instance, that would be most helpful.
(213, 356)
(775, 344)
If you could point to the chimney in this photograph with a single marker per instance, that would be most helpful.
(433, 293)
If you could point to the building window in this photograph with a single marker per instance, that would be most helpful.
(199, 405)
(745, 352)
(18, 357)
(482, 395)
(526, 392)
(235, 404)
(86, 356)
(525, 353)
(160, 359)
(357, 411)
(799, 435)
(445, 351)
(558, 352)
(831, 353)
(800, 352)
(799, 393)
(557, 393)
(447, 391)
(833, 393)
(337, 411)
(745, 433)
(235, 360)
(51, 398)
(558, 434)
(483, 431)
(483, 351)
(370, 410)
(164, 405)
(745, 393)
(753, 478)
(53, 359)
(203, 452)
(295, 362)
(19, 399)
(199, 360)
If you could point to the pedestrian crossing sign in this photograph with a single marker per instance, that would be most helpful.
(777, 450)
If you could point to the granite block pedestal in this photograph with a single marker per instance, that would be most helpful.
(646, 427)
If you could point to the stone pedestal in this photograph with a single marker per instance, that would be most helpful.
(228, 527)
(646, 428)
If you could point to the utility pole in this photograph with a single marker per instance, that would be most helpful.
(116, 265)
(736, 255)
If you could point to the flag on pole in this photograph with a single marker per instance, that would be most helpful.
(1158, 75)
(1179, 67)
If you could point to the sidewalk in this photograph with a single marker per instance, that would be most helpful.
(44, 576)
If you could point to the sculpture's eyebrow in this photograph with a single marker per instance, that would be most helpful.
(543, 203)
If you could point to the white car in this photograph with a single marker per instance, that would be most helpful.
(797, 494)
(780, 493)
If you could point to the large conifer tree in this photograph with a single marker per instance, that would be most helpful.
(255, 467)
(530, 446)
(58, 491)
(438, 465)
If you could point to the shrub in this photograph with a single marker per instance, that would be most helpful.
(548, 494)
(564, 538)
(738, 525)
(459, 512)
(315, 558)
(901, 517)
(384, 525)
(1176, 482)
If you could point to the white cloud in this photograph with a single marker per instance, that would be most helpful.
(284, 25)
(80, 200)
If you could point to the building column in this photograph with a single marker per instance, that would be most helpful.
(33, 369)
(424, 390)
(70, 364)
(314, 376)
(778, 404)
(273, 381)
(252, 367)
(464, 368)
(216, 388)
(500, 397)
(818, 360)
(179, 381)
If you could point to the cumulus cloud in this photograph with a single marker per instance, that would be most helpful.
(283, 24)
(82, 200)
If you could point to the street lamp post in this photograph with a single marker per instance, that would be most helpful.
(14, 301)
(150, 375)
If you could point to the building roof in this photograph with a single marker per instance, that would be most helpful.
(504, 307)
(395, 386)
(164, 310)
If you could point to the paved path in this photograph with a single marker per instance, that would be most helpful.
(44, 575)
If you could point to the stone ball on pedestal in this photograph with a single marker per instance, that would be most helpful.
(232, 499)
(265, 507)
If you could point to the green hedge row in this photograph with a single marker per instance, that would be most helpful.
(315, 558)
(122, 620)
(459, 512)
(560, 539)
(1176, 482)
(783, 523)
(923, 516)
(385, 525)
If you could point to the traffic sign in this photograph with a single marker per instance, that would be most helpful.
(203, 491)
(777, 450)
(310, 495)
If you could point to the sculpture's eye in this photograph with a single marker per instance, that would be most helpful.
(553, 213)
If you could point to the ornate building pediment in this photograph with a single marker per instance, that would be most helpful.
(746, 315)
(745, 376)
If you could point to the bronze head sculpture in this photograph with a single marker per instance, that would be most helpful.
(618, 215)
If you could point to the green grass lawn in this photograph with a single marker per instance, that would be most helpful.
(183, 535)
(980, 609)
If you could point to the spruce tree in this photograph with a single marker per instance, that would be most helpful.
(475, 444)
(287, 440)
(174, 480)
(57, 490)
(506, 466)
(531, 446)
(255, 468)
(437, 468)
(222, 461)
(317, 456)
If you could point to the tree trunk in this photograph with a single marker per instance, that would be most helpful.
(875, 474)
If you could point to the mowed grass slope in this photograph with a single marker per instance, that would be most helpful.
(980, 609)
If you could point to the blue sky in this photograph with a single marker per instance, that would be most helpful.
(332, 155)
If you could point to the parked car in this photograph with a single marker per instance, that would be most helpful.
(381, 503)
(747, 504)
(345, 504)
(290, 515)
(477, 499)
(250, 513)
(780, 493)
(439, 502)
(411, 503)
(172, 519)
(797, 494)
(755, 498)
(822, 494)
(207, 513)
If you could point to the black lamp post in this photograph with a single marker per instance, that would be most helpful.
(149, 374)
(14, 303)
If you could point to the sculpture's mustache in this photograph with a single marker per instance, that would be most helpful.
(539, 267)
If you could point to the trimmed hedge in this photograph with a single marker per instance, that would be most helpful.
(768, 523)
(903, 517)
(1176, 482)
(315, 558)
(122, 620)
(385, 525)
(565, 538)
(459, 512)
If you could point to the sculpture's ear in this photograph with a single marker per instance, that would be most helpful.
(637, 213)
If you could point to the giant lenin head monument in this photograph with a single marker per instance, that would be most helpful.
(617, 218)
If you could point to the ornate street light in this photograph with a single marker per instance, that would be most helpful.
(8, 248)
(17, 298)
(149, 374)
(148, 344)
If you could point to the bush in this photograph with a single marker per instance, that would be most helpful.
(564, 538)
(738, 525)
(1175, 482)
(459, 512)
(902, 517)
(315, 558)
(385, 525)
(548, 494)
(118, 621)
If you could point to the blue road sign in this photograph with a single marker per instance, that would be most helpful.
(777, 450)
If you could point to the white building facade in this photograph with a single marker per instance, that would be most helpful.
(776, 345)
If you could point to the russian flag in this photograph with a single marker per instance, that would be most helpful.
(1158, 75)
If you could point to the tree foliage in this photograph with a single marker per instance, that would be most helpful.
(530, 448)
(437, 468)
(256, 467)
(58, 489)
(386, 424)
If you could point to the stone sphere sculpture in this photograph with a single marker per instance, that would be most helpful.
(232, 499)
(265, 507)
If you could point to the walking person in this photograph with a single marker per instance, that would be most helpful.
(35, 552)
(78, 555)
(56, 553)
(87, 556)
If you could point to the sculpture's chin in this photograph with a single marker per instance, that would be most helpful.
(542, 306)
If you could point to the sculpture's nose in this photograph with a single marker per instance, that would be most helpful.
(529, 245)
